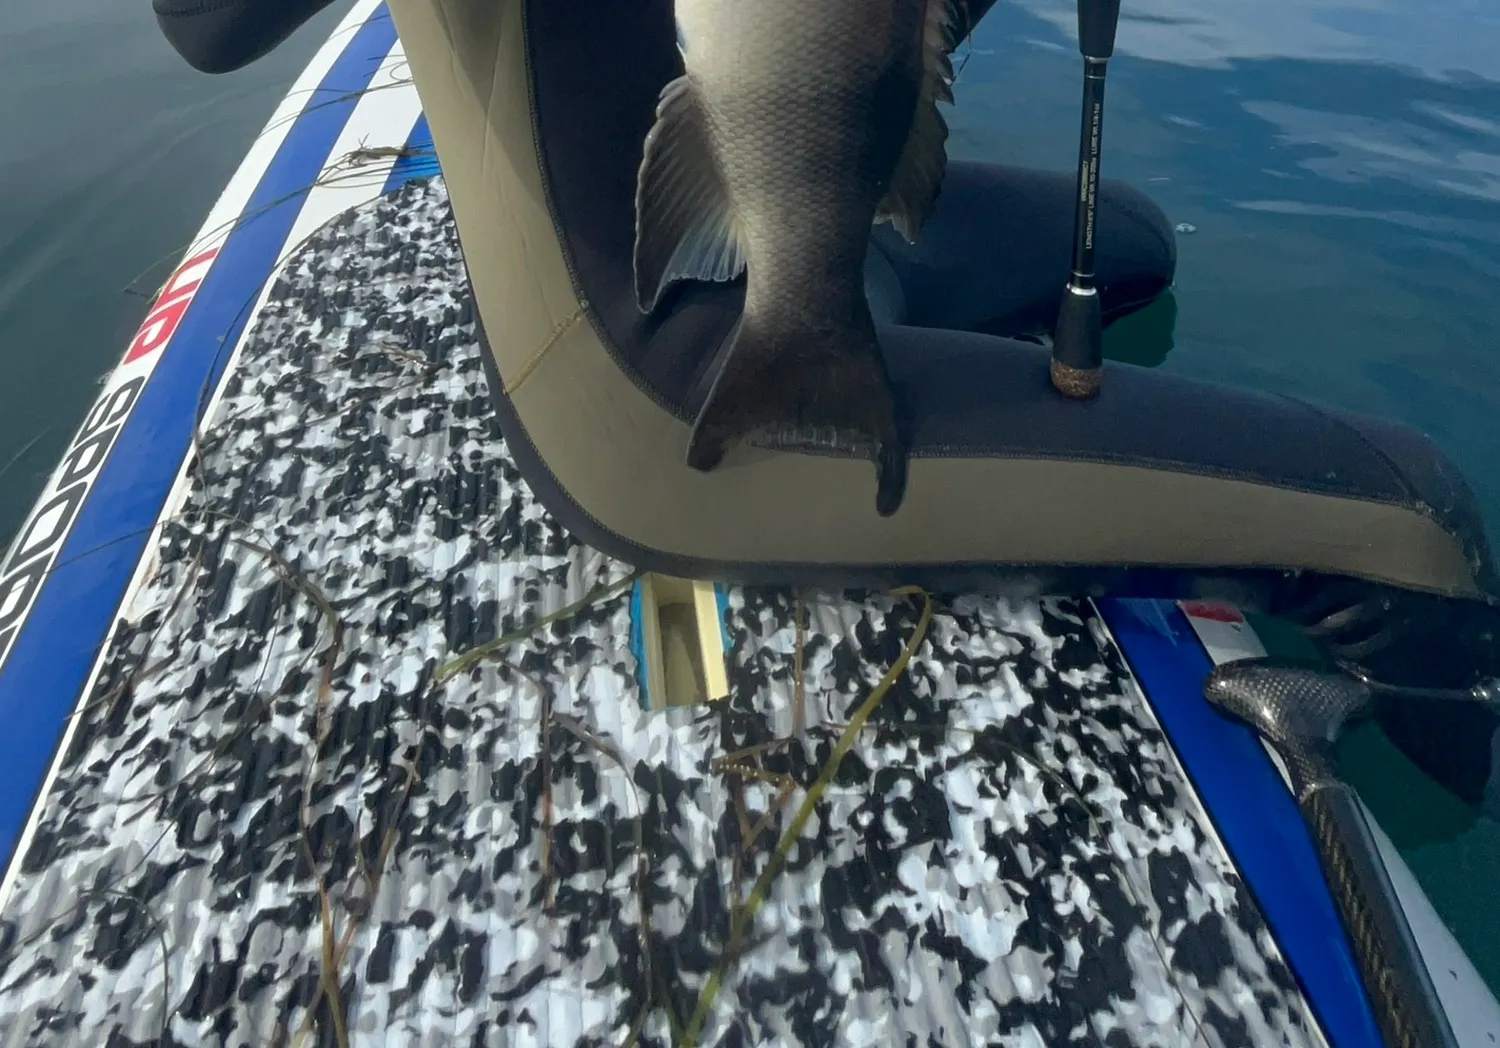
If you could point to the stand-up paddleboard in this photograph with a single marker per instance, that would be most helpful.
(317, 728)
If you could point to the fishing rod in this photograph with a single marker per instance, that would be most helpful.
(1300, 713)
(1078, 339)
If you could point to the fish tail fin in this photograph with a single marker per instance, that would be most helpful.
(797, 391)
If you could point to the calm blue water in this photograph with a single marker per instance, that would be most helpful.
(1339, 164)
(113, 152)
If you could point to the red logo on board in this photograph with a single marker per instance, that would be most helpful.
(156, 330)
(1201, 609)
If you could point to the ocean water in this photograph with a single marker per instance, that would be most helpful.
(114, 150)
(1333, 165)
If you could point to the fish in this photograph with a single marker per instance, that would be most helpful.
(794, 128)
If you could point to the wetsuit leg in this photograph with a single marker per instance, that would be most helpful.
(1456, 743)
(995, 255)
(222, 36)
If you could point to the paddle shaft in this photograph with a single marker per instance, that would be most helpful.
(1390, 963)
(1299, 712)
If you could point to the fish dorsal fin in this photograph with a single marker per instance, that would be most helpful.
(685, 227)
(919, 173)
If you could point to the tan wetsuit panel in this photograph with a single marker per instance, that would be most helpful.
(621, 456)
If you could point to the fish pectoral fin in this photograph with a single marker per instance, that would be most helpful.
(685, 227)
(837, 395)
(918, 177)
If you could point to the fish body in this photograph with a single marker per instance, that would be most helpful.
(796, 125)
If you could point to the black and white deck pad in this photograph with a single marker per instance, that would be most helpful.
(1009, 855)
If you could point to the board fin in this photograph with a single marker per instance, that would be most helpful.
(828, 393)
(685, 227)
(918, 176)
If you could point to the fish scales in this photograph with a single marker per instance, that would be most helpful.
(795, 127)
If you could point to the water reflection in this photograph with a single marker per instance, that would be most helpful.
(1348, 244)
(1145, 337)
(1438, 39)
(1445, 154)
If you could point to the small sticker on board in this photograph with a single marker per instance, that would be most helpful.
(1223, 631)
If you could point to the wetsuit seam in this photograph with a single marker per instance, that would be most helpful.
(1409, 494)
(1153, 465)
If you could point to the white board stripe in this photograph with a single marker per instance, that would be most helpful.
(1472, 1009)
(355, 171)
(362, 158)
(230, 207)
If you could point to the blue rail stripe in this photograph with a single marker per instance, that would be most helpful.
(638, 644)
(721, 596)
(54, 654)
(420, 160)
(1253, 812)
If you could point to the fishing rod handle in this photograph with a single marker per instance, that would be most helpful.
(1077, 367)
(1400, 988)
